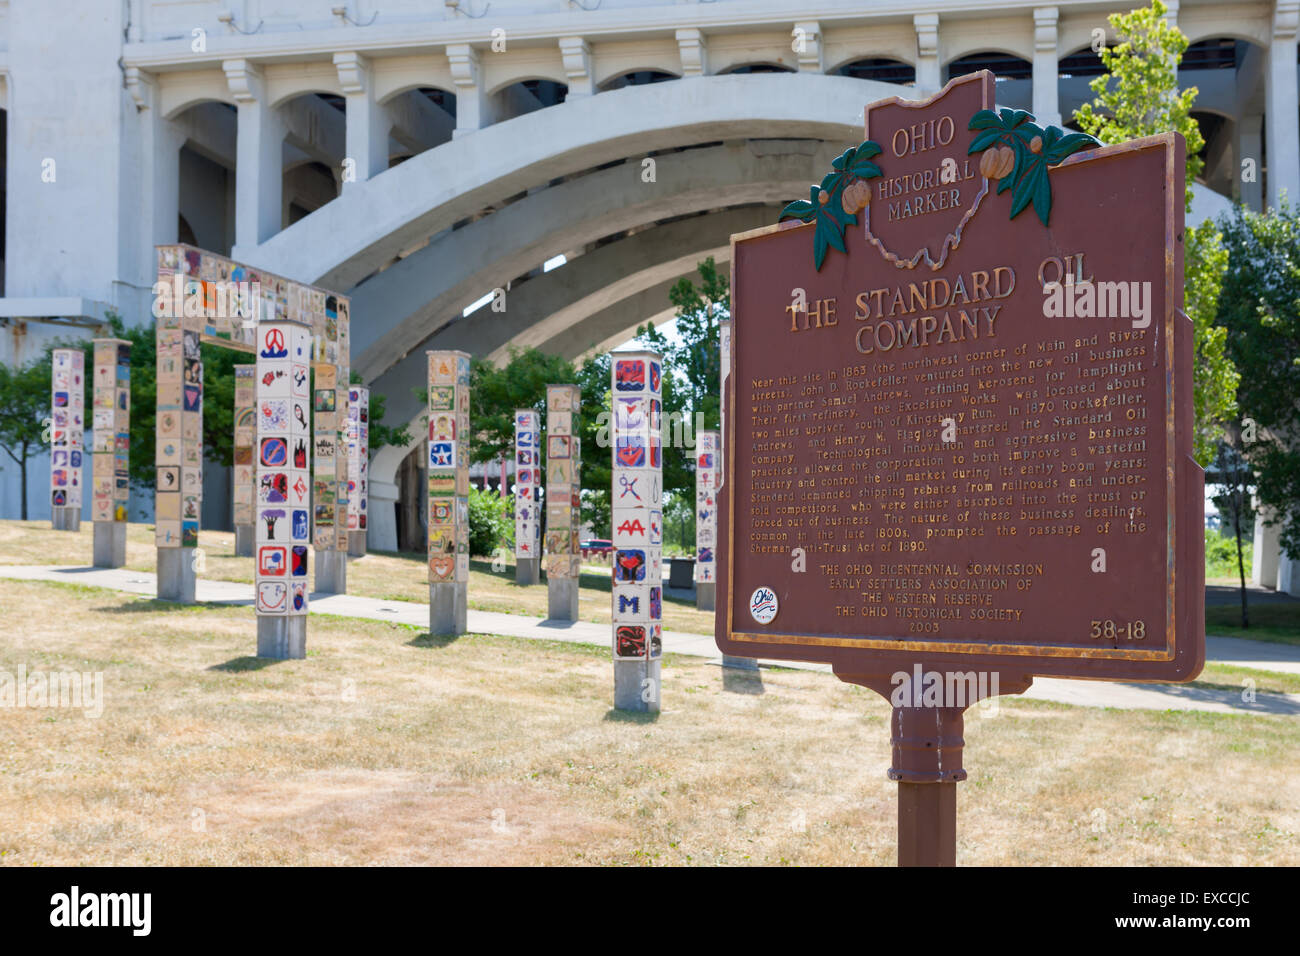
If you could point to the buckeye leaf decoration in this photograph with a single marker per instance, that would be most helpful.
(1017, 152)
(835, 204)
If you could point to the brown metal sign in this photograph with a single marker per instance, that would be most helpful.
(959, 422)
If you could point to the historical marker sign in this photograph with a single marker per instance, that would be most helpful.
(960, 410)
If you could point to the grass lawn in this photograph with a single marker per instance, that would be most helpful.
(386, 575)
(387, 747)
(1278, 622)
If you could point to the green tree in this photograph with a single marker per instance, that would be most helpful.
(1233, 498)
(24, 411)
(1260, 311)
(490, 523)
(1139, 96)
(692, 366)
(495, 392)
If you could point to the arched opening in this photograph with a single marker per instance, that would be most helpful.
(636, 78)
(311, 156)
(1014, 75)
(881, 69)
(423, 118)
(206, 175)
(528, 96)
(307, 187)
(761, 68)
(1229, 75)
(412, 490)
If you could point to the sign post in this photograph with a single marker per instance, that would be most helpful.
(958, 447)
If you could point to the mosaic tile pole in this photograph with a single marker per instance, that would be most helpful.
(67, 427)
(330, 484)
(448, 460)
(707, 469)
(563, 501)
(244, 471)
(357, 436)
(724, 336)
(178, 430)
(283, 453)
(528, 473)
(637, 524)
(111, 452)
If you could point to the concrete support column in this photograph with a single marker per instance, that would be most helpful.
(258, 164)
(528, 572)
(381, 522)
(448, 608)
(176, 577)
(160, 169)
(1047, 109)
(1281, 105)
(1266, 551)
(562, 599)
(929, 76)
(244, 536)
(66, 518)
(282, 638)
(638, 685)
(807, 46)
(694, 50)
(473, 110)
(576, 53)
(705, 596)
(367, 121)
(332, 572)
(110, 544)
(1250, 146)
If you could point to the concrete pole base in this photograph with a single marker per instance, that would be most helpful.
(527, 571)
(562, 599)
(244, 538)
(638, 685)
(705, 596)
(331, 572)
(740, 663)
(356, 544)
(448, 608)
(176, 577)
(110, 544)
(282, 638)
(66, 519)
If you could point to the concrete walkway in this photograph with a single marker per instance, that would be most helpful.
(1234, 651)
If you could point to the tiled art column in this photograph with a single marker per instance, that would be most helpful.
(563, 501)
(110, 457)
(707, 468)
(244, 470)
(448, 493)
(330, 473)
(67, 430)
(357, 436)
(528, 473)
(283, 488)
(178, 430)
(636, 497)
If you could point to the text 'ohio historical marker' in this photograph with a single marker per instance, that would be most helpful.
(959, 425)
